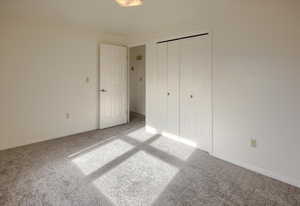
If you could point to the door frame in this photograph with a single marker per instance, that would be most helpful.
(128, 76)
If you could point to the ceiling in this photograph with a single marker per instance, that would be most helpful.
(153, 16)
(108, 16)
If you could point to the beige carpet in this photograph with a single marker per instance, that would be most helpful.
(127, 166)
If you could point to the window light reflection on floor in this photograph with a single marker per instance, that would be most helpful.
(182, 140)
(137, 181)
(140, 134)
(151, 129)
(174, 148)
(98, 157)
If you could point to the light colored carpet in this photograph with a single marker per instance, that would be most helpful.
(126, 166)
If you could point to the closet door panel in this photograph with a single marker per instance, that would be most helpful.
(173, 88)
(195, 89)
(160, 85)
(150, 83)
(188, 63)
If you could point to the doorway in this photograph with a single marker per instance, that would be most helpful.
(137, 79)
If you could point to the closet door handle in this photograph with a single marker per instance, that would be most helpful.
(191, 96)
(168, 93)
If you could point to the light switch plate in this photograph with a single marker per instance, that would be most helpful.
(253, 143)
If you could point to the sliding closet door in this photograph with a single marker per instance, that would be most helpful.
(195, 91)
(172, 126)
(160, 87)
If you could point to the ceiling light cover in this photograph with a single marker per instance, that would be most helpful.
(128, 3)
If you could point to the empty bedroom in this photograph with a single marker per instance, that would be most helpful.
(149, 103)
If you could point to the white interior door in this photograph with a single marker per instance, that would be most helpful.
(172, 126)
(113, 86)
(195, 91)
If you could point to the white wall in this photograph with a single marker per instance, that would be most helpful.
(43, 71)
(256, 82)
(137, 80)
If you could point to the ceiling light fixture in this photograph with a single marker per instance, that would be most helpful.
(128, 3)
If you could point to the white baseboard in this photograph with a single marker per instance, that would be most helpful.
(268, 173)
(12, 146)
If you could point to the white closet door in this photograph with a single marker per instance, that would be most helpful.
(113, 86)
(160, 85)
(172, 124)
(195, 91)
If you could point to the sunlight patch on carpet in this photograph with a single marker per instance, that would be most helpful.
(140, 134)
(137, 181)
(98, 157)
(174, 148)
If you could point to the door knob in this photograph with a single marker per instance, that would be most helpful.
(103, 90)
(191, 96)
(168, 93)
